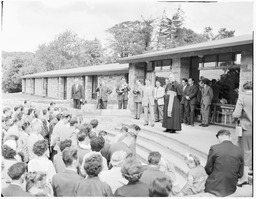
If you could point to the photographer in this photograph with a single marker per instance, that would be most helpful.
(122, 94)
(103, 95)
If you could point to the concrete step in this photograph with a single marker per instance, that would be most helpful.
(177, 147)
(145, 146)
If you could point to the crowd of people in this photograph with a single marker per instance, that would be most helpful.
(50, 153)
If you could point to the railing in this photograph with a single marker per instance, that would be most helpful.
(220, 114)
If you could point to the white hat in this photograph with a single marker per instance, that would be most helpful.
(118, 157)
(11, 143)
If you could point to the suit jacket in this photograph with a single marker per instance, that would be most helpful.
(184, 94)
(137, 189)
(104, 93)
(138, 95)
(244, 110)
(93, 187)
(148, 96)
(192, 93)
(207, 95)
(159, 93)
(225, 164)
(14, 191)
(122, 94)
(65, 184)
(77, 93)
(151, 173)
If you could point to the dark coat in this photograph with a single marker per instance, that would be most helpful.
(122, 94)
(224, 166)
(14, 191)
(137, 189)
(65, 184)
(150, 174)
(77, 93)
(192, 93)
(93, 187)
(104, 93)
(184, 94)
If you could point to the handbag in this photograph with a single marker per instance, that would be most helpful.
(239, 130)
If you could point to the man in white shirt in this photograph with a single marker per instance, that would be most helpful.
(34, 137)
(159, 102)
(58, 130)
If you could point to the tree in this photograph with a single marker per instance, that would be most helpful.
(69, 51)
(168, 29)
(222, 33)
(11, 77)
(130, 37)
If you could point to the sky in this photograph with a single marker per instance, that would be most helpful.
(27, 24)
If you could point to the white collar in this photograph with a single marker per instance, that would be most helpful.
(71, 169)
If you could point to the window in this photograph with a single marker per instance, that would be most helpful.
(163, 65)
(225, 59)
(222, 60)
(210, 60)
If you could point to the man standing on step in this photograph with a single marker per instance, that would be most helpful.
(77, 94)
(148, 103)
(122, 94)
(192, 100)
(207, 95)
(137, 99)
(159, 102)
(225, 164)
(104, 92)
(184, 106)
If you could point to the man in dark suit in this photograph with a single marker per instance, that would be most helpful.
(103, 93)
(152, 171)
(77, 94)
(122, 94)
(225, 164)
(192, 99)
(17, 173)
(207, 95)
(64, 184)
(184, 108)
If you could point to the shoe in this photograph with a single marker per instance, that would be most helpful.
(152, 125)
(145, 124)
(201, 124)
(242, 184)
(156, 120)
(167, 130)
(205, 125)
(135, 118)
(172, 131)
(192, 125)
(138, 118)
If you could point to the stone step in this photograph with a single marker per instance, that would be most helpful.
(173, 145)
(144, 147)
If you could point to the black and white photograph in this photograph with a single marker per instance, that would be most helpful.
(125, 98)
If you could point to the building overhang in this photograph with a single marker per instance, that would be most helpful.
(221, 46)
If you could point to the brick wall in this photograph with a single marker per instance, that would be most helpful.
(180, 68)
(88, 88)
(38, 86)
(246, 68)
(53, 87)
(112, 82)
(28, 86)
(135, 72)
(70, 82)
